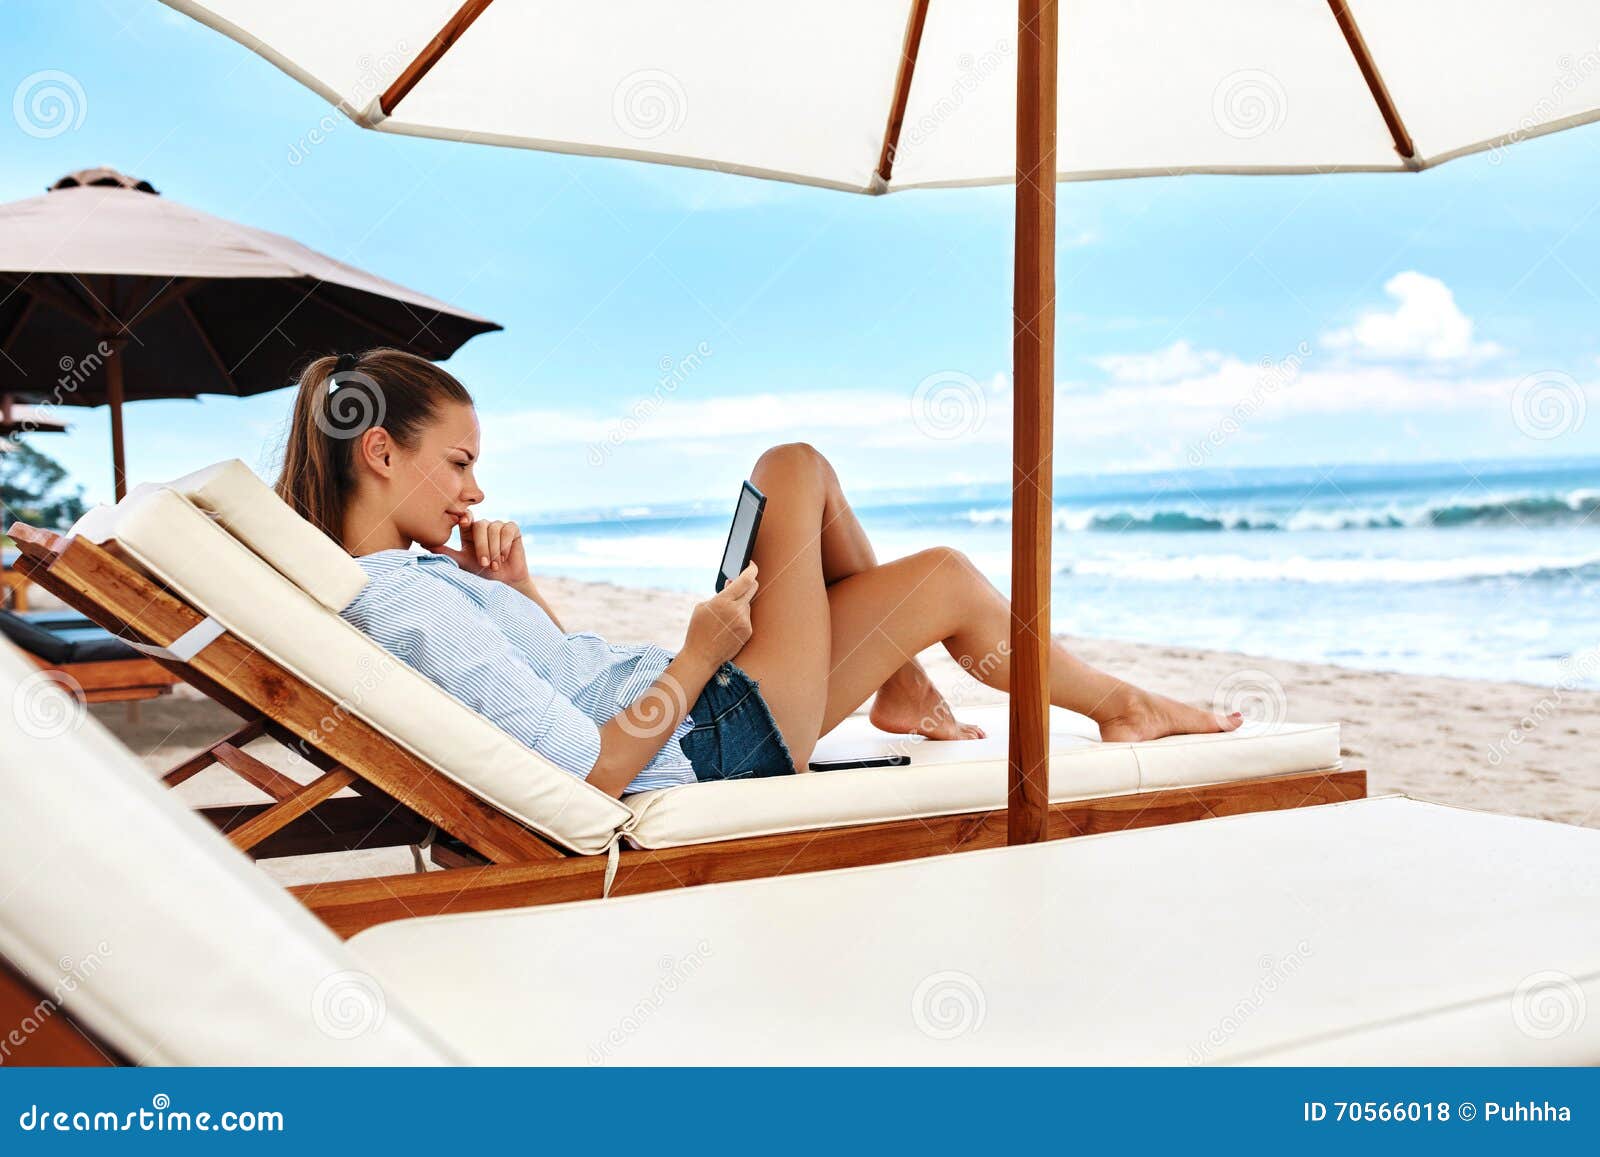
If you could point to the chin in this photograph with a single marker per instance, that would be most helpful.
(432, 538)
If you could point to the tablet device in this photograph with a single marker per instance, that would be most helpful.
(742, 534)
(868, 761)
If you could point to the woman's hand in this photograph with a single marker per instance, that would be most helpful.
(720, 626)
(491, 550)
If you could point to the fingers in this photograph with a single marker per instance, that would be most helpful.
(486, 542)
(743, 587)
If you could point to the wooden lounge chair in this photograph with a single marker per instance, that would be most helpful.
(242, 594)
(1376, 931)
(90, 660)
(13, 584)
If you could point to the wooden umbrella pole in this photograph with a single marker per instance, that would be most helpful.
(1033, 418)
(119, 471)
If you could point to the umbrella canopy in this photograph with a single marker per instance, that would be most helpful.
(19, 419)
(878, 95)
(872, 96)
(111, 293)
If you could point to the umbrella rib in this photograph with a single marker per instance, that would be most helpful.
(431, 54)
(44, 291)
(1380, 91)
(211, 347)
(28, 302)
(162, 298)
(384, 331)
(902, 89)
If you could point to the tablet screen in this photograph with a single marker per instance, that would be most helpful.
(739, 538)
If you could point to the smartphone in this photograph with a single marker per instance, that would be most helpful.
(848, 764)
(742, 534)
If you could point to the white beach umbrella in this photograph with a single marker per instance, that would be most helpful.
(872, 96)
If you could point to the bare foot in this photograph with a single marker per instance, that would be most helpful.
(909, 704)
(1143, 715)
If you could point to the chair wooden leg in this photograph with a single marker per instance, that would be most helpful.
(286, 811)
(201, 760)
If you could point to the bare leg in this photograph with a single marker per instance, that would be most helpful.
(819, 650)
(907, 702)
(877, 616)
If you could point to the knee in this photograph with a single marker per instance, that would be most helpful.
(950, 566)
(791, 455)
(792, 460)
(949, 560)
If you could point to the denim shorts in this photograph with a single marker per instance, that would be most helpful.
(734, 735)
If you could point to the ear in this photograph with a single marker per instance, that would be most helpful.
(375, 450)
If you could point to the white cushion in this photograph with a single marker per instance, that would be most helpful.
(1380, 931)
(149, 928)
(249, 509)
(171, 538)
(948, 777)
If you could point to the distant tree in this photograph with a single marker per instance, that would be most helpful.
(32, 488)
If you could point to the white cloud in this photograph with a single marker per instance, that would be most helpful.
(1177, 360)
(1327, 409)
(1426, 323)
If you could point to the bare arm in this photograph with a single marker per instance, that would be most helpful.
(719, 627)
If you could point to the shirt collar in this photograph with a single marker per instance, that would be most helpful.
(382, 562)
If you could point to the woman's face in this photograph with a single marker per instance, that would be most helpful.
(432, 485)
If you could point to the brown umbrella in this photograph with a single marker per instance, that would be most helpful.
(19, 419)
(111, 293)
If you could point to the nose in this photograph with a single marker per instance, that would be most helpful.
(471, 495)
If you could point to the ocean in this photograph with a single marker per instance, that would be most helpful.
(1476, 569)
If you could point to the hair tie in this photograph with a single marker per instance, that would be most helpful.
(345, 364)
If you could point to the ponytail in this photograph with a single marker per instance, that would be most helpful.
(340, 399)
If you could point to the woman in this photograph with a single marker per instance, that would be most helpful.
(380, 457)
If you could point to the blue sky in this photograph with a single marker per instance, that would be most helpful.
(1203, 320)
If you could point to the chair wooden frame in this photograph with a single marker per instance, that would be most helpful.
(495, 861)
(114, 680)
(41, 1032)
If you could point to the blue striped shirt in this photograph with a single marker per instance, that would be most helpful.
(496, 650)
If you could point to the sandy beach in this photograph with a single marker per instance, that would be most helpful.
(1505, 747)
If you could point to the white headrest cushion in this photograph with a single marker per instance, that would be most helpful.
(252, 512)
